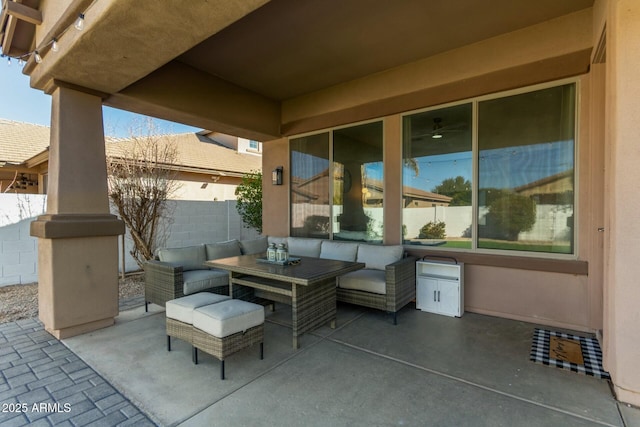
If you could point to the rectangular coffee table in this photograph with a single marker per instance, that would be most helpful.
(309, 286)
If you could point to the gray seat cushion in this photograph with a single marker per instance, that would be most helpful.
(367, 280)
(200, 280)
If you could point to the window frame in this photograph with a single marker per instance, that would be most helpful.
(330, 131)
(475, 101)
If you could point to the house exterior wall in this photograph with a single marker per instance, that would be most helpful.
(538, 294)
(205, 187)
(598, 291)
(622, 228)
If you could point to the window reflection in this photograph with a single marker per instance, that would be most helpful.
(358, 183)
(352, 210)
(437, 177)
(526, 171)
(310, 209)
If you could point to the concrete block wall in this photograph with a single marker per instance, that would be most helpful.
(18, 254)
(197, 222)
(192, 223)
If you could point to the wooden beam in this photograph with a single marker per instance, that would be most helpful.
(3, 20)
(8, 35)
(24, 13)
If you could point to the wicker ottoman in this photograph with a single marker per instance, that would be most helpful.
(229, 326)
(179, 313)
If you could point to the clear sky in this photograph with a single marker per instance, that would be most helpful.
(19, 102)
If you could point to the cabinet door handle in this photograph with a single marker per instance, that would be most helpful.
(434, 295)
(438, 296)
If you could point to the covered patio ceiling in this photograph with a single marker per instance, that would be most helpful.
(181, 63)
(289, 48)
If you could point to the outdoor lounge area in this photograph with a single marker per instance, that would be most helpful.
(503, 137)
(428, 370)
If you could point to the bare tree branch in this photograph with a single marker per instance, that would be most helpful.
(141, 180)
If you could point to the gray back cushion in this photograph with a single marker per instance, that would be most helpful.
(378, 257)
(277, 240)
(304, 247)
(223, 249)
(255, 246)
(342, 251)
(190, 257)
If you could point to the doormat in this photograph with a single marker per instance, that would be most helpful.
(566, 351)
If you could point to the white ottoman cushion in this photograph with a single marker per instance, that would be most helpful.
(228, 317)
(364, 280)
(181, 309)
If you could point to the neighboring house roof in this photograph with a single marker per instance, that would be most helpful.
(309, 190)
(543, 183)
(21, 141)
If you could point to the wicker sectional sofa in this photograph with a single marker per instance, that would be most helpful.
(387, 282)
(177, 272)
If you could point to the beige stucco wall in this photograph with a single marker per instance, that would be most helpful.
(622, 230)
(505, 51)
(552, 298)
(275, 210)
(534, 296)
(190, 190)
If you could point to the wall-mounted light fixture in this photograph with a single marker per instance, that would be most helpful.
(276, 176)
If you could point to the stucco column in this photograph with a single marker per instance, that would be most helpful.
(622, 249)
(77, 245)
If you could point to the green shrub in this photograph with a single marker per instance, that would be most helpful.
(433, 230)
(511, 214)
(249, 200)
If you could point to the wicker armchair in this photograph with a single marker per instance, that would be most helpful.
(400, 280)
(164, 282)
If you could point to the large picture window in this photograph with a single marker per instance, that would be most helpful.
(437, 173)
(526, 171)
(336, 184)
(310, 208)
(519, 195)
(358, 178)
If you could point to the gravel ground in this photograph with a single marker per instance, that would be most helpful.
(21, 301)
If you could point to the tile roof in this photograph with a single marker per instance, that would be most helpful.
(197, 152)
(21, 141)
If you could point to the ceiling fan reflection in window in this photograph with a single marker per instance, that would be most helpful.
(439, 130)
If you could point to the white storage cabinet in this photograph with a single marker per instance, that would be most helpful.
(440, 287)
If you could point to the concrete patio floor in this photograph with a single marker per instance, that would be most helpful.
(427, 370)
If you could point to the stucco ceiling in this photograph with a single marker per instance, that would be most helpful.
(288, 48)
(227, 65)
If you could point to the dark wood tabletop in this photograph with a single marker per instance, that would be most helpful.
(307, 272)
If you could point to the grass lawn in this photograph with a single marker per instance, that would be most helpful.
(508, 246)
